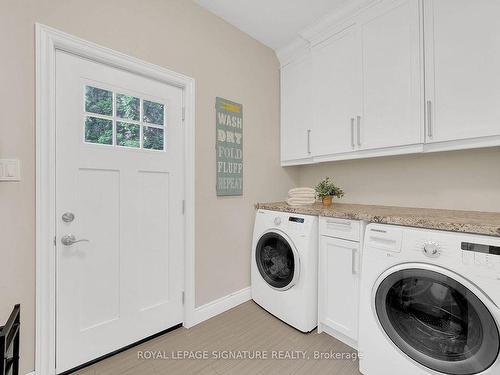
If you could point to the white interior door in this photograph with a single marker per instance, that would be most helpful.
(119, 185)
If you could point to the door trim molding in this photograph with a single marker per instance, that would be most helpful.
(48, 41)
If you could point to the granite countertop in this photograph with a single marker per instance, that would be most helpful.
(487, 223)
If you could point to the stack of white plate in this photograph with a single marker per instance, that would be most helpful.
(301, 196)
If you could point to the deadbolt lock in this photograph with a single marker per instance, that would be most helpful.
(68, 217)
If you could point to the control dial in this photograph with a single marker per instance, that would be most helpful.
(431, 249)
(277, 220)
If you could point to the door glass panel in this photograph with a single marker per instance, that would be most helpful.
(128, 135)
(153, 112)
(128, 107)
(275, 260)
(153, 138)
(123, 125)
(98, 101)
(437, 321)
(98, 130)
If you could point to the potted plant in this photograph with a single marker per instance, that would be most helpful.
(326, 190)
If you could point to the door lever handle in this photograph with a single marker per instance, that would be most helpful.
(70, 239)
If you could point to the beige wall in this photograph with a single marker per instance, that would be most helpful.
(468, 180)
(179, 35)
(175, 34)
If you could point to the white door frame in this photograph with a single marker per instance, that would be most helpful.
(48, 41)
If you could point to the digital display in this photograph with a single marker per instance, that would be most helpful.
(480, 248)
(296, 219)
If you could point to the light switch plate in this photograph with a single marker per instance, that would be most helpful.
(10, 170)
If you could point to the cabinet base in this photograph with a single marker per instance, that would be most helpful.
(339, 336)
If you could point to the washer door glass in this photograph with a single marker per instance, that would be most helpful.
(275, 260)
(437, 322)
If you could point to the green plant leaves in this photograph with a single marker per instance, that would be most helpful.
(327, 188)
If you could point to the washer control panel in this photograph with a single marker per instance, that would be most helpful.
(480, 254)
(431, 249)
(297, 225)
(291, 219)
(289, 223)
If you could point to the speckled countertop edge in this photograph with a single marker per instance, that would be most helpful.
(475, 222)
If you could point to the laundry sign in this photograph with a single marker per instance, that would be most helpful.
(229, 147)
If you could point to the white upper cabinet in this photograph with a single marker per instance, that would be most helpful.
(336, 65)
(296, 112)
(392, 76)
(462, 50)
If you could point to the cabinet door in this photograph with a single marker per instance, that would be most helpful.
(339, 285)
(296, 113)
(392, 76)
(337, 91)
(462, 50)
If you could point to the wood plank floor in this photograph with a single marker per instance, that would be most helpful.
(248, 328)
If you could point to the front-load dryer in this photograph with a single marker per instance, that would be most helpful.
(429, 303)
(284, 267)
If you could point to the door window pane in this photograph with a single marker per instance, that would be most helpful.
(153, 112)
(128, 107)
(98, 130)
(128, 135)
(153, 138)
(123, 120)
(98, 101)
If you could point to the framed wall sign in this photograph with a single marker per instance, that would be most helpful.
(229, 147)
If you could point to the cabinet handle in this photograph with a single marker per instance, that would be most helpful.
(346, 223)
(352, 133)
(429, 119)
(309, 141)
(358, 119)
(353, 262)
(378, 230)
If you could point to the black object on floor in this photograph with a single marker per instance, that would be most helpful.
(9, 343)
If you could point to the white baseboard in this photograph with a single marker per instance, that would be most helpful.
(31, 373)
(220, 305)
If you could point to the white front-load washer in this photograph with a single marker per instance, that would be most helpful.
(284, 267)
(429, 302)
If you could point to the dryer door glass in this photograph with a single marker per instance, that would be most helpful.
(275, 260)
(437, 321)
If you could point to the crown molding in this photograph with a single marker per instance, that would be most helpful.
(334, 20)
(325, 27)
(297, 48)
